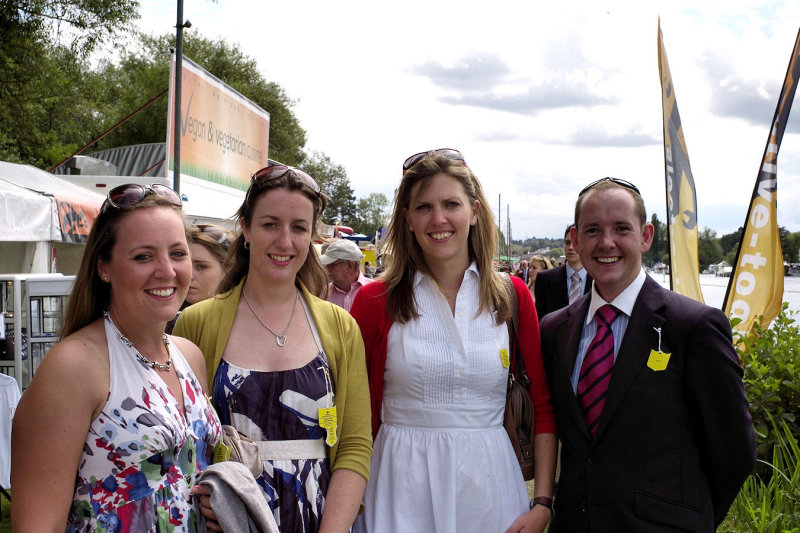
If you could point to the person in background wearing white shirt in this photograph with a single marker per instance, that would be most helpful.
(435, 336)
(342, 259)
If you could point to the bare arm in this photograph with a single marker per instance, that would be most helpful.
(545, 447)
(50, 427)
(195, 359)
(342, 501)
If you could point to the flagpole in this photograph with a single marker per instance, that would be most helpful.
(760, 221)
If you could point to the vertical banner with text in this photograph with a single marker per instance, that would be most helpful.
(681, 196)
(224, 136)
(756, 285)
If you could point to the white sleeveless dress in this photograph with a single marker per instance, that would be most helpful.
(442, 460)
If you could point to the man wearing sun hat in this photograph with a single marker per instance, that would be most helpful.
(342, 259)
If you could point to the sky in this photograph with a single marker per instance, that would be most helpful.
(541, 98)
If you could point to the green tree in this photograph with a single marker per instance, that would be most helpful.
(730, 241)
(790, 245)
(791, 250)
(143, 73)
(45, 96)
(659, 250)
(709, 250)
(332, 178)
(82, 25)
(371, 213)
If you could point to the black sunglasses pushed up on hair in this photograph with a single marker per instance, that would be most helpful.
(624, 183)
(449, 153)
(276, 171)
(130, 194)
(219, 235)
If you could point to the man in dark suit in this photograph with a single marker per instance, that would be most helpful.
(554, 286)
(654, 423)
(523, 271)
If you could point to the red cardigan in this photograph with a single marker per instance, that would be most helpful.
(370, 311)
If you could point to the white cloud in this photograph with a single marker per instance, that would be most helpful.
(541, 99)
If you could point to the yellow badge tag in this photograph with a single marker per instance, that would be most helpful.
(658, 360)
(221, 452)
(327, 421)
(504, 358)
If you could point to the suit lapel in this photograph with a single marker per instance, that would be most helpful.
(573, 327)
(639, 339)
(562, 288)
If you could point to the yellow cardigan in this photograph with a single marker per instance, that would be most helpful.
(208, 324)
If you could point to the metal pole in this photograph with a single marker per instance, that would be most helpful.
(500, 228)
(508, 230)
(176, 130)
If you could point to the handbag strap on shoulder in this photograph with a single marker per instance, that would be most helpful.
(517, 366)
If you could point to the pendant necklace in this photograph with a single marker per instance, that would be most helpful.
(155, 365)
(280, 340)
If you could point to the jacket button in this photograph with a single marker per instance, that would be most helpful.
(583, 506)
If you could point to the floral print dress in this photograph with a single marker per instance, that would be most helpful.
(143, 452)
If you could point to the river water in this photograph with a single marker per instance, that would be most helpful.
(714, 289)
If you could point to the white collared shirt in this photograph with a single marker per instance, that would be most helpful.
(624, 302)
(581, 273)
(447, 358)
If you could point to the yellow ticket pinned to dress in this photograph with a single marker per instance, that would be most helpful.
(222, 452)
(328, 422)
(504, 358)
(658, 360)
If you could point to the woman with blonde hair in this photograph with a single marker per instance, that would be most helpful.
(115, 427)
(434, 326)
(538, 263)
(286, 367)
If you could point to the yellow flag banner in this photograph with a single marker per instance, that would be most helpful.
(756, 285)
(681, 200)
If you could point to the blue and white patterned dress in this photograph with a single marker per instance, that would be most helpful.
(281, 406)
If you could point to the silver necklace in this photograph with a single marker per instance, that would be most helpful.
(155, 365)
(280, 340)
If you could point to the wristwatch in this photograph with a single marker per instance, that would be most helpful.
(544, 501)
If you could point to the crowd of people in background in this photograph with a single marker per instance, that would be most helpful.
(373, 396)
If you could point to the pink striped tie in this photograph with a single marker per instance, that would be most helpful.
(597, 368)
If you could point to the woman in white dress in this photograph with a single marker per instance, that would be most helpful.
(434, 328)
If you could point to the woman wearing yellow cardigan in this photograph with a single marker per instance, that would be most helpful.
(298, 384)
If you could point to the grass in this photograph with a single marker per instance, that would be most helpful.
(5, 514)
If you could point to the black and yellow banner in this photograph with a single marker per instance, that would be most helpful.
(756, 285)
(681, 197)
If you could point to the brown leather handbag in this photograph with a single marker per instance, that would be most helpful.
(519, 415)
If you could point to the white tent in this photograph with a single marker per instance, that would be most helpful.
(40, 215)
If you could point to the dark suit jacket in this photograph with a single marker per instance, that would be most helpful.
(551, 290)
(521, 275)
(673, 447)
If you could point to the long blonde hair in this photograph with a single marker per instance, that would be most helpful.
(405, 257)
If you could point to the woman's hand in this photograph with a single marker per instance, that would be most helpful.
(534, 521)
(203, 497)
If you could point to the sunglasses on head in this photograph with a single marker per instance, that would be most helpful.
(130, 194)
(624, 183)
(276, 171)
(449, 153)
(219, 235)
